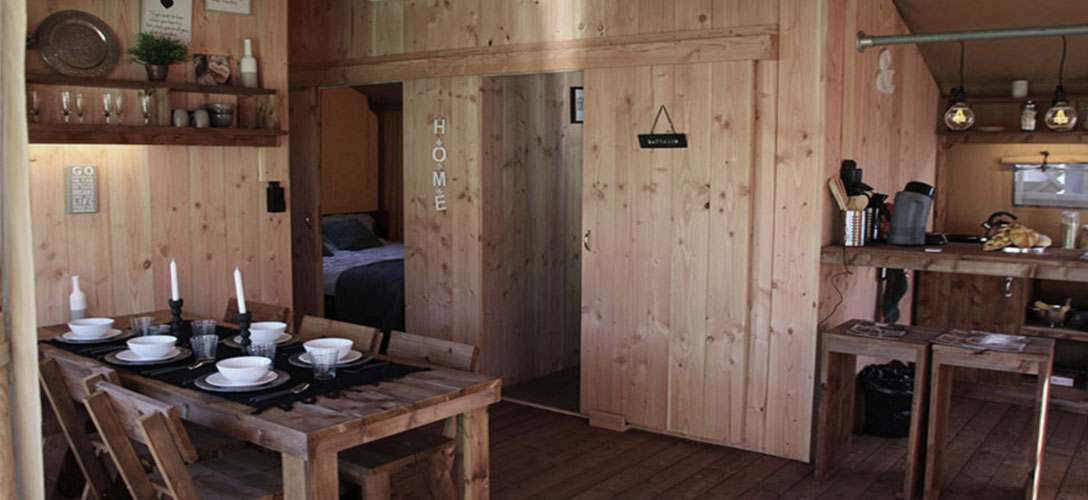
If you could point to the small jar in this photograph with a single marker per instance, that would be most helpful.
(1070, 224)
(1027, 116)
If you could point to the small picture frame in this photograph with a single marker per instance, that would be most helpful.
(211, 69)
(229, 6)
(577, 104)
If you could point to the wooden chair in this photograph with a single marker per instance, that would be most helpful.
(74, 370)
(366, 338)
(123, 417)
(56, 388)
(370, 465)
(261, 312)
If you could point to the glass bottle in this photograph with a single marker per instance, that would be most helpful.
(1028, 113)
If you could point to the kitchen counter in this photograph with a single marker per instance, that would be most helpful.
(967, 258)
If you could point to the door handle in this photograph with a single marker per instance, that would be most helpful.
(1007, 289)
(308, 221)
(585, 240)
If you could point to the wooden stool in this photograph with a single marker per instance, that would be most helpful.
(1037, 359)
(838, 365)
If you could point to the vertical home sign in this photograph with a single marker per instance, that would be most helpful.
(438, 155)
(82, 189)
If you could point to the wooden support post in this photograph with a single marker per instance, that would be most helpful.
(471, 461)
(314, 479)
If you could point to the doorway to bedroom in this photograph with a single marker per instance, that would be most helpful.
(361, 204)
(532, 162)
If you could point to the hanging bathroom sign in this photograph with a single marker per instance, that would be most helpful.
(438, 156)
(671, 140)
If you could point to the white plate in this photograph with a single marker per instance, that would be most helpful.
(352, 356)
(75, 339)
(217, 379)
(131, 357)
(279, 340)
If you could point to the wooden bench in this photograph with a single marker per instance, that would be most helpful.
(838, 366)
(370, 465)
(1036, 359)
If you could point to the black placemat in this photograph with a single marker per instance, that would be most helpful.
(369, 373)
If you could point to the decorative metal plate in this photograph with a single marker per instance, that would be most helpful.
(75, 43)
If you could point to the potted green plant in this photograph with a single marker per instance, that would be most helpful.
(157, 53)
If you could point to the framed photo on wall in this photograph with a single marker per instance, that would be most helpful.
(577, 104)
(228, 6)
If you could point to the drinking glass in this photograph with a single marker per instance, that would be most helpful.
(119, 108)
(262, 349)
(80, 108)
(66, 104)
(323, 360)
(204, 327)
(35, 105)
(158, 330)
(204, 346)
(145, 107)
(141, 325)
(107, 105)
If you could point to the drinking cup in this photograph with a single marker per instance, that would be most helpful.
(324, 362)
(262, 349)
(204, 327)
(141, 325)
(204, 346)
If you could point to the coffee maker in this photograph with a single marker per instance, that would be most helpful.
(910, 214)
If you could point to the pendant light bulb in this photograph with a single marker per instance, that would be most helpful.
(1061, 117)
(959, 115)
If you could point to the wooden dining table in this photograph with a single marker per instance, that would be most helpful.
(310, 435)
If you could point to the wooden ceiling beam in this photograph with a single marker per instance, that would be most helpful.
(734, 44)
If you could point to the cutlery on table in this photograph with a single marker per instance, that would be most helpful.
(160, 371)
(294, 390)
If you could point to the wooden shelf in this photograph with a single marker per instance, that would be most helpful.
(62, 133)
(145, 85)
(1055, 332)
(966, 258)
(1015, 137)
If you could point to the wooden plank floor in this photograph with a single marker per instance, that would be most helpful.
(537, 454)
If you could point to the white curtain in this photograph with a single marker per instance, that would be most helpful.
(19, 380)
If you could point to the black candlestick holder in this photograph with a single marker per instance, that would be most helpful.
(243, 329)
(175, 313)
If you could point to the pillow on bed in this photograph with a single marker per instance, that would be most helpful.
(349, 235)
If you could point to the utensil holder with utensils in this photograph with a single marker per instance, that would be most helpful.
(854, 227)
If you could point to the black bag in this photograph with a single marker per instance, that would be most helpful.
(889, 391)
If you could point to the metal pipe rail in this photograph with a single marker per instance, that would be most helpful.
(866, 41)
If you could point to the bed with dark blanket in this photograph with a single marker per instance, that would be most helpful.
(372, 295)
(363, 274)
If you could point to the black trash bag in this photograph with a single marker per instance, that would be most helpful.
(889, 390)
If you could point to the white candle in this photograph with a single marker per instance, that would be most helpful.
(239, 292)
(173, 280)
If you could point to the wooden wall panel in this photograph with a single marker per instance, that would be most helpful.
(532, 165)
(978, 184)
(442, 249)
(349, 152)
(891, 136)
(664, 324)
(800, 116)
(204, 206)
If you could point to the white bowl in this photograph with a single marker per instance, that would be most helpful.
(341, 345)
(91, 328)
(152, 346)
(266, 331)
(244, 369)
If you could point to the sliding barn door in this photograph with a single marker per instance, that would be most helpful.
(665, 269)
